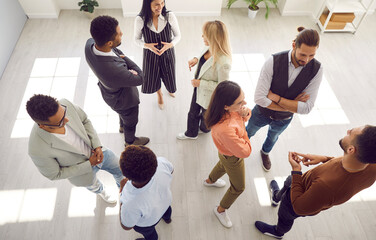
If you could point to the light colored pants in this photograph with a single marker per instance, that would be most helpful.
(234, 167)
(110, 164)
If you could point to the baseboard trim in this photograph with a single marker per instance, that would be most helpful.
(42, 15)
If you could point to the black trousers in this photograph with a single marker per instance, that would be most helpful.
(150, 233)
(129, 120)
(286, 214)
(195, 119)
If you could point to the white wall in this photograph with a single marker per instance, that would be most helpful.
(40, 8)
(12, 21)
(72, 4)
(242, 4)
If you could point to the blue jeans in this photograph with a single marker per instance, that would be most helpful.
(110, 164)
(276, 127)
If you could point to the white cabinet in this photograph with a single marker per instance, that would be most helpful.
(336, 7)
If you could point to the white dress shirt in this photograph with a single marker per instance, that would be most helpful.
(162, 22)
(265, 81)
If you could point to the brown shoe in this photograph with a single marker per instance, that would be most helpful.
(121, 130)
(139, 141)
(266, 164)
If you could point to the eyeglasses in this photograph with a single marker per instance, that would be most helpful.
(61, 123)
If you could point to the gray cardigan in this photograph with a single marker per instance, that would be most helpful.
(56, 159)
(116, 82)
(210, 76)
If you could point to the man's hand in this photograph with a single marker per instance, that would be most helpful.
(274, 97)
(295, 162)
(195, 82)
(98, 152)
(310, 159)
(94, 160)
(122, 183)
(166, 45)
(133, 72)
(303, 97)
(151, 47)
(192, 63)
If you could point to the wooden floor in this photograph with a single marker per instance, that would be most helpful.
(32, 207)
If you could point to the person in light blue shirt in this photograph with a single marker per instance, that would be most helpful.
(145, 195)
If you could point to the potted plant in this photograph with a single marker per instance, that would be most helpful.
(253, 8)
(88, 5)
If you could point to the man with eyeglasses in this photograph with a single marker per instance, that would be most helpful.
(64, 145)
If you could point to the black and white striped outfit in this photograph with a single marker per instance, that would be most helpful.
(157, 68)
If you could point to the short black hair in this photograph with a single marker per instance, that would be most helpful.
(138, 163)
(41, 107)
(103, 29)
(365, 145)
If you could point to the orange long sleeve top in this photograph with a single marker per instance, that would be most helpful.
(230, 137)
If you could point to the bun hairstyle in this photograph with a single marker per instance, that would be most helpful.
(309, 37)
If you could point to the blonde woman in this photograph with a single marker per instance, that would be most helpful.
(213, 67)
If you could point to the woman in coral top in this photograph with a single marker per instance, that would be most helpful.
(225, 116)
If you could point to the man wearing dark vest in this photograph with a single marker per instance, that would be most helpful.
(118, 75)
(289, 82)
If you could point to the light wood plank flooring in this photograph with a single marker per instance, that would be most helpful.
(32, 207)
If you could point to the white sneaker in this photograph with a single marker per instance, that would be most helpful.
(219, 183)
(107, 198)
(182, 136)
(223, 217)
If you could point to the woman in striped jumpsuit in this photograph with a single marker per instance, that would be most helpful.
(157, 31)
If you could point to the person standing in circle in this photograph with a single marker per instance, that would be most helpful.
(157, 31)
(226, 115)
(213, 67)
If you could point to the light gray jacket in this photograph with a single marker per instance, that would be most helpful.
(210, 76)
(56, 159)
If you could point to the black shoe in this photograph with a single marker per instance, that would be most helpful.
(266, 164)
(168, 221)
(273, 187)
(139, 141)
(268, 229)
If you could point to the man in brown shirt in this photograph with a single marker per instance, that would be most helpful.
(328, 184)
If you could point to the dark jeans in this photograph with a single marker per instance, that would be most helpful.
(129, 120)
(150, 233)
(195, 119)
(276, 127)
(286, 214)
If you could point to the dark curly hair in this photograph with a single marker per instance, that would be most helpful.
(103, 29)
(365, 145)
(138, 163)
(41, 107)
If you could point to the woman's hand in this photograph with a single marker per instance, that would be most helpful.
(195, 82)
(192, 63)
(244, 111)
(151, 47)
(166, 46)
